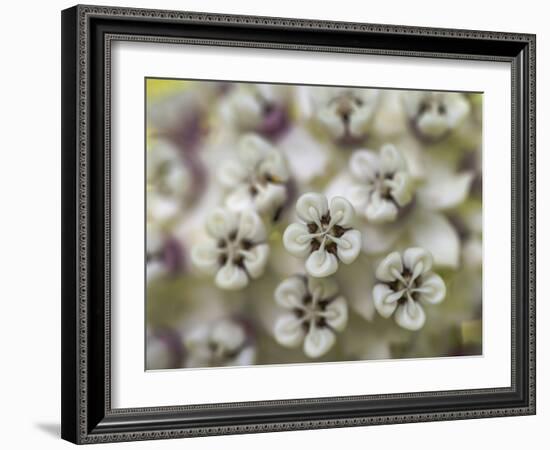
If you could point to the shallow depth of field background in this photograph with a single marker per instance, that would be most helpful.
(195, 127)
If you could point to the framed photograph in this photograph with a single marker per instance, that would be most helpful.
(280, 224)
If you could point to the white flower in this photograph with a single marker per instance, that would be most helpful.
(168, 182)
(315, 312)
(434, 114)
(257, 107)
(222, 343)
(256, 179)
(236, 251)
(326, 236)
(382, 184)
(346, 113)
(406, 283)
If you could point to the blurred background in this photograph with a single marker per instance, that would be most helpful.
(200, 138)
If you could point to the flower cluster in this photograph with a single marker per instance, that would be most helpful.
(288, 223)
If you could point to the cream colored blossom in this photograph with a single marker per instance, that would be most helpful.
(314, 314)
(256, 177)
(217, 344)
(326, 236)
(346, 113)
(381, 184)
(235, 251)
(406, 283)
(434, 114)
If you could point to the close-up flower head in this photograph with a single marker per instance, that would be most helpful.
(346, 114)
(406, 283)
(256, 178)
(315, 313)
(235, 250)
(325, 235)
(433, 115)
(382, 184)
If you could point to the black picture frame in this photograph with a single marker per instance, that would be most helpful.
(87, 33)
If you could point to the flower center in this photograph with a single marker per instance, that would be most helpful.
(408, 284)
(346, 105)
(258, 182)
(432, 105)
(312, 311)
(382, 184)
(233, 249)
(325, 234)
(219, 352)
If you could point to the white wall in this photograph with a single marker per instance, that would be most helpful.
(30, 190)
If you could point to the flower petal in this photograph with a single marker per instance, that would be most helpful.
(231, 174)
(228, 335)
(255, 260)
(360, 120)
(458, 108)
(321, 264)
(289, 331)
(251, 227)
(358, 196)
(231, 277)
(322, 288)
(297, 240)
(274, 164)
(401, 188)
(385, 299)
(417, 260)
(318, 341)
(388, 266)
(252, 150)
(290, 293)
(391, 160)
(312, 159)
(240, 199)
(445, 191)
(364, 165)
(380, 238)
(270, 197)
(432, 124)
(349, 247)
(332, 121)
(311, 206)
(221, 222)
(342, 211)
(432, 289)
(336, 314)
(410, 316)
(380, 210)
(246, 357)
(162, 207)
(205, 256)
(433, 232)
(243, 108)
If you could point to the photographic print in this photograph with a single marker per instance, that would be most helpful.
(301, 224)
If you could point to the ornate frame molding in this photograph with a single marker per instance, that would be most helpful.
(87, 421)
